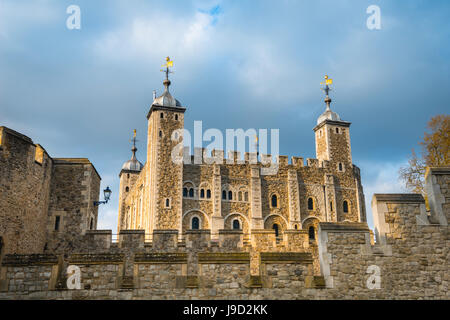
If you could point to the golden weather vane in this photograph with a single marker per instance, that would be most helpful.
(167, 65)
(327, 82)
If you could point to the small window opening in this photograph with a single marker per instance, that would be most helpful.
(311, 233)
(236, 224)
(310, 204)
(57, 222)
(274, 201)
(195, 224)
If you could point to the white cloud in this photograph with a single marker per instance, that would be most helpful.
(16, 16)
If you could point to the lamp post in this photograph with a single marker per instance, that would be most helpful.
(106, 194)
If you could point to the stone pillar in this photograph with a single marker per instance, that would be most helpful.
(131, 238)
(255, 199)
(98, 239)
(231, 239)
(330, 196)
(217, 221)
(294, 200)
(436, 187)
(165, 239)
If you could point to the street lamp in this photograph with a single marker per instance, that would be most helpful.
(106, 194)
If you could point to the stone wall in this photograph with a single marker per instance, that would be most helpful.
(409, 260)
(25, 174)
(36, 189)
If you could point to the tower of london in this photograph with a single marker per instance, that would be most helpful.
(216, 226)
(216, 193)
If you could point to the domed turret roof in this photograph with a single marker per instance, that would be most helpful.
(166, 99)
(132, 165)
(328, 115)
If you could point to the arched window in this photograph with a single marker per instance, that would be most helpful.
(275, 227)
(337, 130)
(160, 132)
(162, 115)
(185, 192)
(127, 189)
(236, 224)
(176, 117)
(224, 195)
(240, 196)
(340, 166)
(311, 233)
(274, 201)
(310, 204)
(230, 195)
(202, 193)
(167, 203)
(208, 194)
(331, 205)
(246, 196)
(91, 225)
(195, 223)
(345, 206)
(296, 227)
(191, 193)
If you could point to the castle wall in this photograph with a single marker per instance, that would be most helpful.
(25, 174)
(74, 188)
(408, 261)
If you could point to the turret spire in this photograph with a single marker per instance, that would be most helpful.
(167, 65)
(327, 89)
(134, 149)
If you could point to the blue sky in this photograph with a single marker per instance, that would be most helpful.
(238, 64)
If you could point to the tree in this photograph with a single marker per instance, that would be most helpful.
(435, 153)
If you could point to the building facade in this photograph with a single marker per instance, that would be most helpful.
(215, 193)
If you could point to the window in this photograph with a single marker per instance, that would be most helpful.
(224, 195)
(236, 224)
(127, 189)
(246, 196)
(337, 130)
(240, 196)
(167, 203)
(275, 227)
(208, 194)
(57, 221)
(176, 117)
(91, 225)
(345, 206)
(191, 193)
(340, 166)
(195, 223)
(162, 115)
(310, 204)
(160, 133)
(296, 227)
(128, 176)
(202, 193)
(185, 192)
(331, 205)
(230, 195)
(274, 201)
(311, 233)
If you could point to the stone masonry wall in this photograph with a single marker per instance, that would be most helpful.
(25, 174)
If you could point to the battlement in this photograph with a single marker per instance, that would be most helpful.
(202, 156)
